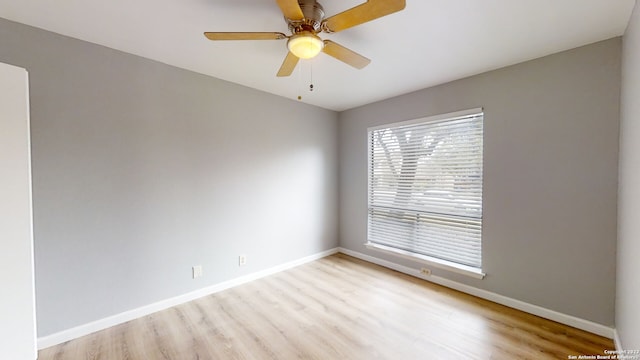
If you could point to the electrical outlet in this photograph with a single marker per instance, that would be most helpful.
(425, 271)
(242, 260)
(197, 271)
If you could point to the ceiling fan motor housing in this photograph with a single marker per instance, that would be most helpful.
(313, 16)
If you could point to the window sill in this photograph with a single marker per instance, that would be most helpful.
(439, 263)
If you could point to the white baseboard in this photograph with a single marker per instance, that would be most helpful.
(86, 329)
(573, 321)
(616, 340)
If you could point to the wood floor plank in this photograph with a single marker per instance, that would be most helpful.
(337, 307)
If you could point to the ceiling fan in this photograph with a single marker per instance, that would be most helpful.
(305, 19)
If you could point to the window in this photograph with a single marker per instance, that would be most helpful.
(425, 190)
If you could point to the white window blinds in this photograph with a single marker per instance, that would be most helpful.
(425, 188)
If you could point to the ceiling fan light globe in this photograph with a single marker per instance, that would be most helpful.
(305, 45)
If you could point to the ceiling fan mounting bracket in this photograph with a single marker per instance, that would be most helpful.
(325, 28)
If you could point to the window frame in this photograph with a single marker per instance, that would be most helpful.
(429, 260)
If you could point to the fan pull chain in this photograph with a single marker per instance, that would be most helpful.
(311, 81)
(300, 75)
(300, 80)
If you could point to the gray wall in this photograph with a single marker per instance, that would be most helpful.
(141, 170)
(550, 176)
(628, 286)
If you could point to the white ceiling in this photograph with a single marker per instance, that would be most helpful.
(430, 42)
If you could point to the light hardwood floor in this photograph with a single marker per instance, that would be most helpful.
(337, 307)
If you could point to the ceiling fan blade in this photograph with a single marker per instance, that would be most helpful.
(245, 35)
(291, 9)
(288, 65)
(345, 55)
(370, 10)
